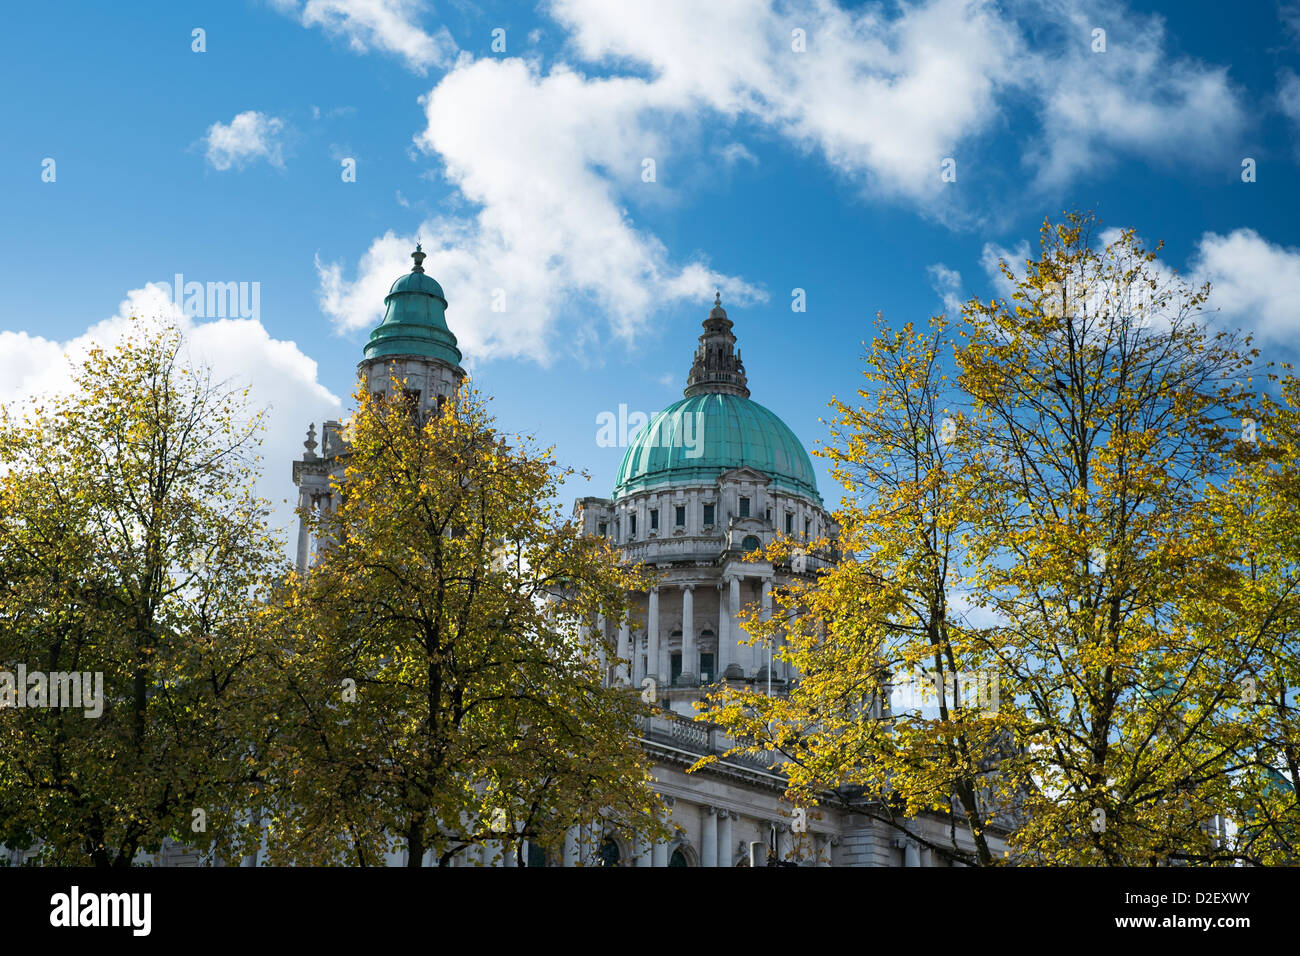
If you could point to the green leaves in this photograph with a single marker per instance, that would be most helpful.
(453, 598)
(131, 543)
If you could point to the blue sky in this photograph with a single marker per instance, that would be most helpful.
(522, 170)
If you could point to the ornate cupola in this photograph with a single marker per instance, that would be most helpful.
(717, 367)
(415, 321)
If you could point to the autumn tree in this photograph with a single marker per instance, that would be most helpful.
(1052, 525)
(439, 692)
(130, 544)
(1259, 509)
(1102, 406)
(885, 622)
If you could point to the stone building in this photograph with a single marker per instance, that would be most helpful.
(706, 481)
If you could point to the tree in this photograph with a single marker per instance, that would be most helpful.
(130, 542)
(884, 617)
(1101, 410)
(440, 695)
(1259, 508)
(1072, 502)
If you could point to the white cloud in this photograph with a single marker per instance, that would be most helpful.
(991, 258)
(547, 160)
(1132, 99)
(734, 153)
(947, 283)
(551, 159)
(389, 26)
(1254, 283)
(281, 378)
(250, 135)
(1288, 97)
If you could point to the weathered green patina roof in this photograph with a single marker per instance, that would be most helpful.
(695, 440)
(415, 320)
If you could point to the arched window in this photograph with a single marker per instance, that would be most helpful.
(678, 858)
(750, 543)
(608, 855)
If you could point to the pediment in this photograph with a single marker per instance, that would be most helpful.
(744, 474)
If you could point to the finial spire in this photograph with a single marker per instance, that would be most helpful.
(717, 366)
(419, 257)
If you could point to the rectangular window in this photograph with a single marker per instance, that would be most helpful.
(654, 519)
(708, 514)
(744, 507)
(676, 666)
(807, 527)
(789, 523)
(602, 529)
(631, 526)
(706, 668)
(681, 516)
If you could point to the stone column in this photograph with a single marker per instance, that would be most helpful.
(767, 614)
(511, 854)
(643, 852)
(624, 653)
(690, 653)
(571, 847)
(709, 836)
(656, 670)
(911, 856)
(602, 649)
(782, 842)
(746, 654)
(725, 848)
(659, 855)
(304, 533)
(824, 856)
(726, 646)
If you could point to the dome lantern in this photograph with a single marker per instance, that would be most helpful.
(415, 321)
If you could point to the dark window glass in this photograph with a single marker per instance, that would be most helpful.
(536, 855)
(750, 542)
(706, 668)
(681, 515)
(677, 859)
(807, 527)
(708, 514)
(744, 507)
(654, 519)
(676, 657)
(608, 852)
(789, 523)
(631, 526)
(602, 529)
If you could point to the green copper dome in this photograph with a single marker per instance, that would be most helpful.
(695, 440)
(415, 321)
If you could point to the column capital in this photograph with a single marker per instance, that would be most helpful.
(687, 587)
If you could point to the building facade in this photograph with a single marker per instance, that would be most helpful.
(707, 481)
